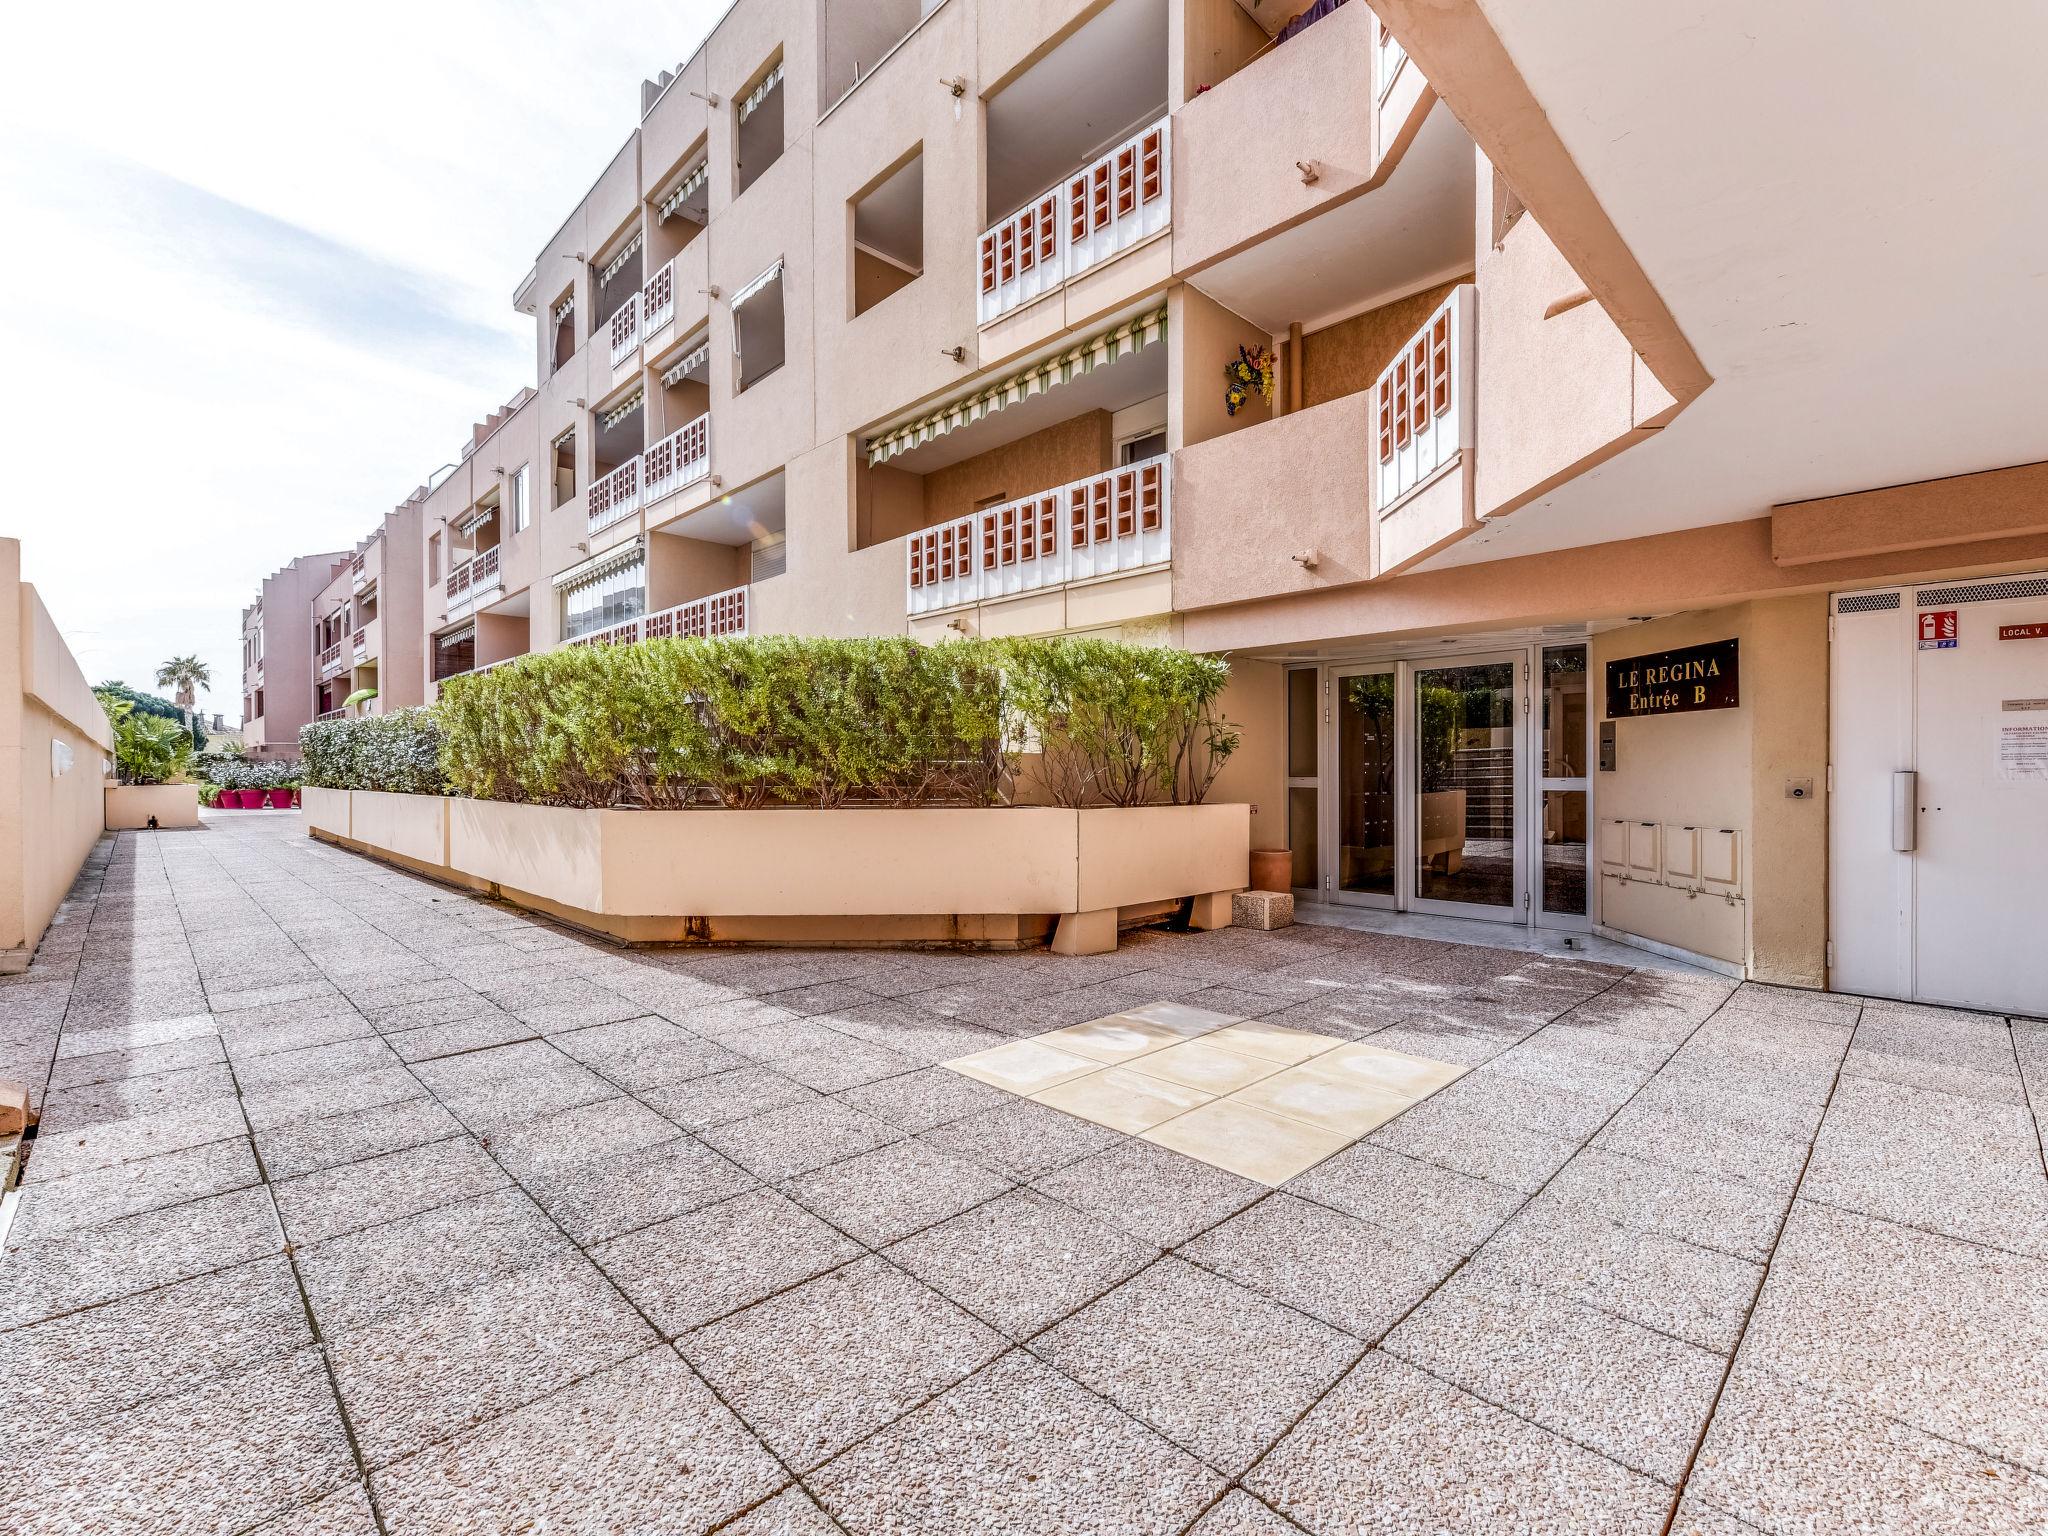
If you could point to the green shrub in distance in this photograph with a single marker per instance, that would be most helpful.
(399, 753)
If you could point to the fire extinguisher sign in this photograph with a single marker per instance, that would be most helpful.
(1938, 629)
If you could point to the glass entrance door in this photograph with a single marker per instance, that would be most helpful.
(1565, 717)
(1367, 785)
(1465, 806)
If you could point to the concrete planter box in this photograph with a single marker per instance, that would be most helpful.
(131, 805)
(999, 876)
(326, 812)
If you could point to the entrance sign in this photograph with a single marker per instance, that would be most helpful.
(1675, 682)
(2023, 631)
(1938, 629)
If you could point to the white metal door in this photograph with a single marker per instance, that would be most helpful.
(1938, 824)
(1980, 888)
(1870, 745)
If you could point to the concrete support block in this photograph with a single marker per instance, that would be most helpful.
(1212, 910)
(1085, 933)
(1262, 909)
(14, 1108)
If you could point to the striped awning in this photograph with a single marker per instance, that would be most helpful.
(623, 409)
(565, 309)
(757, 284)
(691, 361)
(599, 566)
(686, 189)
(477, 519)
(455, 637)
(625, 255)
(760, 92)
(566, 439)
(1061, 368)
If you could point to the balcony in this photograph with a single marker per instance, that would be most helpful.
(625, 330)
(721, 615)
(657, 304)
(615, 496)
(1107, 524)
(682, 458)
(474, 581)
(359, 644)
(1422, 424)
(359, 574)
(330, 661)
(1103, 209)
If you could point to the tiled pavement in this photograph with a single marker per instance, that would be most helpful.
(360, 1205)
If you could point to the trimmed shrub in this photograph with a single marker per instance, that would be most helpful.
(399, 753)
(888, 721)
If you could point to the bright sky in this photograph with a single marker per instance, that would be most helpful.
(259, 262)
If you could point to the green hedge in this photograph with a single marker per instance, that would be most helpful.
(784, 719)
(399, 752)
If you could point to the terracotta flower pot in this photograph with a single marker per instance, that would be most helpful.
(1272, 870)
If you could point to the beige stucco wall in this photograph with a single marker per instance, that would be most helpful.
(131, 806)
(51, 812)
(1728, 768)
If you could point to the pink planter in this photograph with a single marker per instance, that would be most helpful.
(281, 799)
(246, 799)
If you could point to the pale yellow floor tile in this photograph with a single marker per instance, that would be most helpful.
(1247, 1141)
(1198, 1064)
(1270, 1042)
(1415, 1076)
(1335, 1104)
(1181, 1019)
(1023, 1066)
(1122, 1099)
(1116, 1038)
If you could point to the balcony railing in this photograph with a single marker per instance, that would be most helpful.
(1107, 206)
(1121, 520)
(1421, 403)
(330, 714)
(625, 331)
(682, 458)
(474, 578)
(359, 575)
(657, 303)
(360, 644)
(330, 660)
(615, 496)
(720, 614)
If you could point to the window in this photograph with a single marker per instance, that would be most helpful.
(520, 493)
(1139, 449)
(757, 327)
(565, 467)
(565, 330)
(433, 557)
(605, 597)
(455, 653)
(758, 144)
(888, 234)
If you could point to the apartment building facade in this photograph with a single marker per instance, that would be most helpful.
(914, 316)
(279, 656)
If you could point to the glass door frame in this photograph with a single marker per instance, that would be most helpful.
(1530, 784)
(1520, 904)
(1569, 922)
(1332, 807)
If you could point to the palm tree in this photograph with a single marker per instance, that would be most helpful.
(188, 674)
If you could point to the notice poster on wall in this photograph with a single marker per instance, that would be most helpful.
(2020, 742)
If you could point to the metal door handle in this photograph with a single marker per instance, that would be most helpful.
(1905, 805)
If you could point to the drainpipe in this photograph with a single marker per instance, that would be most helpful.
(1294, 366)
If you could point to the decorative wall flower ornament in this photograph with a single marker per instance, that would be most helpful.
(1251, 372)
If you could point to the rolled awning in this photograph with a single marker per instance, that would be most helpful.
(1061, 368)
(760, 92)
(455, 637)
(623, 409)
(625, 254)
(597, 566)
(565, 309)
(691, 361)
(687, 188)
(757, 284)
